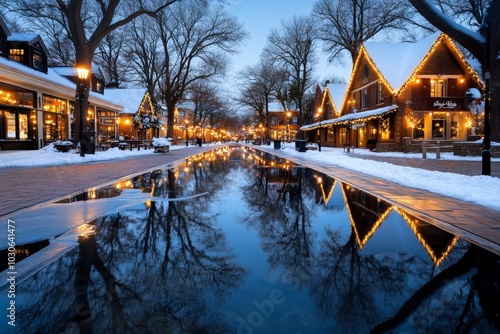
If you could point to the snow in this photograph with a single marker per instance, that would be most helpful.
(161, 141)
(409, 55)
(129, 98)
(337, 92)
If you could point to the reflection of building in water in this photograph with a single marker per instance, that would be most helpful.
(366, 212)
(437, 243)
(326, 185)
(281, 175)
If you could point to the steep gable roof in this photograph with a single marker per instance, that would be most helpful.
(397, 61)
(336, 92)
(397, 64)
(30, 38)
(130, 98)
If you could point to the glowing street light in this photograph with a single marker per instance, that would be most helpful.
(83, 74)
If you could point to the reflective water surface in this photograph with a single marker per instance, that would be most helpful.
(239, 241)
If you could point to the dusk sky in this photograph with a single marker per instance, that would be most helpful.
(259, 17)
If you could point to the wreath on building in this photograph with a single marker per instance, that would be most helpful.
(146, 121)
(384, 125)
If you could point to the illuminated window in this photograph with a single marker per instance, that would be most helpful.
(16, 54)
(38, 62)
(438, 87)
(54, 104)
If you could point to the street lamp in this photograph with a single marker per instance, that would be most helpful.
(319, 130)
(186, 121)
(288, 114)
(83, 74)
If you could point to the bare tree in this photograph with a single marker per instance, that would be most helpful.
(345, 25)
(86, 23)
(196, 40)
(111, 60)
(252, 98)
(262, 84)
(293, 48)
(147, 64)
(206, 102)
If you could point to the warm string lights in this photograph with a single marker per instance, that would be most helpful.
(326, 197)
(362, 242)
(413, 223)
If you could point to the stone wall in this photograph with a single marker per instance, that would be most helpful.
(467, 148)
(460, 148)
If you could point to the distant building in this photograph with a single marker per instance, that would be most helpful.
(283, 124)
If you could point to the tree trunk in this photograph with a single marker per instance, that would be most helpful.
(493, 14)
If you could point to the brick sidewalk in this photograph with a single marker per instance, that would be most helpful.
(23, 187)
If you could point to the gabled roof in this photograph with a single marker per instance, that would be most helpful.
(29, 38)
(4, 27)
(397, 61)
(130, 98)
(336, 94)
(397, 64)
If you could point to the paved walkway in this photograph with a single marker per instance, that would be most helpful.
(27, 186)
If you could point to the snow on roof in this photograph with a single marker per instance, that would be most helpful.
(275, 106)
(30, 38)
(129, 98)
(352, 117)
(397, 61)
(64, 86)
(23, 37)
(67, 71)
(337, 92)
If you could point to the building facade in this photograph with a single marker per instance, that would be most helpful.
(403, 94)
(37, 102)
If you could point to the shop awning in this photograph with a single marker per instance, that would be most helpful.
(352, 118)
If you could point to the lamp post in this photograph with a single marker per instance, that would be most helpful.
(82, 76)
(186, 121)
(288, 126)
(319, 130)
(486, 154)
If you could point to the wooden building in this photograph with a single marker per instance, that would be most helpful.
(399, 95)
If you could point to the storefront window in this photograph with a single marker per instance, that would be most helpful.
(15, 97)
(418, 129)
(54, 104)
(54, 126)
(11, 125)
(23, 127)
(442, 126)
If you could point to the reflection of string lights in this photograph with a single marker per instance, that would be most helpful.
(375, 226)
(413, 222)
(326, 198)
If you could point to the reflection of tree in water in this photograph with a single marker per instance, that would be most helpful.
(162, 268)
(348, 286)
(177, 251)
(462, 298)
(281, 217)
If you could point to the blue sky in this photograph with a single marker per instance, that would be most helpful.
(259, 17)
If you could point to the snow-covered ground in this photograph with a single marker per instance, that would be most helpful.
(483, 190)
